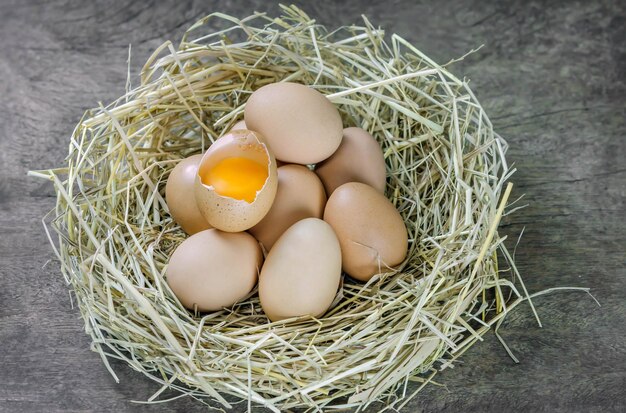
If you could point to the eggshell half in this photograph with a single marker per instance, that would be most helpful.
(358, 159)
(300, 124)
(300, 195)
(226, 213)
(371, 231)
(213, 269)
(302, 271)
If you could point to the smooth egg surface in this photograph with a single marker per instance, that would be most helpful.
(212, 269)
(302, 271)
(179, 196)
(300, 195)
(239, 125)
(236, 181)
(359, 158)
(300, 124)
(371, 231)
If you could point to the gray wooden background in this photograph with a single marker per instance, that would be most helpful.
(552, 78)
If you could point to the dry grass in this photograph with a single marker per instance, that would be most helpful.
(447, 174)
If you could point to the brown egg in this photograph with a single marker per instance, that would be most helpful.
(213, 269)
(300, 195)
(236, 181)
(299, 123)
(358, 159)
(371, 232)
(302, 271)
(179, 195)
(239, 125)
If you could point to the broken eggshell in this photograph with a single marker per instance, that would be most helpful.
(225, 212)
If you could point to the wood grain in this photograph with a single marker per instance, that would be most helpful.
(551, 76)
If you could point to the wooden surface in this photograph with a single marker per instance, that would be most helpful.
(552, 78)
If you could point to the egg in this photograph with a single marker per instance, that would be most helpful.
(300, 195)
(300, 124)
(242, 125)
(236, 181)
(302, 271)
(359, 158)
(370, 230)
(239, 125)
(180, 199)
(212, 269)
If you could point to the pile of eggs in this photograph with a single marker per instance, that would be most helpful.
(287, 198)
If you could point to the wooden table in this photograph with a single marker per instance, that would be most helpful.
(552, 78)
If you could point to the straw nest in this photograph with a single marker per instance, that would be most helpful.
(446, 175)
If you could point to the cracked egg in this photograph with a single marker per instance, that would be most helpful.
(236, 181)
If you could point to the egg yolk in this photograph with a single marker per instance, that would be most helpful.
(237, 178)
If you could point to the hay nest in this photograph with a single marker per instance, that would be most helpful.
(446, 173)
